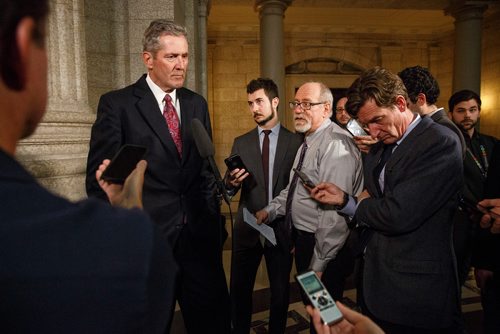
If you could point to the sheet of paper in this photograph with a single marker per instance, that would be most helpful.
(266, 231)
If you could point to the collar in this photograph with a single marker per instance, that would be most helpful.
(410, 128)
(274, 130)
(318, 131)
(158, 92)
(435, 111)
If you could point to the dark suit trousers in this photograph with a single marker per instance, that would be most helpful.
(334, 275)
(244, 265)
(201, 285)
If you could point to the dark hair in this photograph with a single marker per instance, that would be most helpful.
(157, 29)
(269, 87)
(378, 84)
(463, 95)
(11, 13)
(418, 79)
(337, 102)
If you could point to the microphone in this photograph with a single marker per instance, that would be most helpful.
(207, 151)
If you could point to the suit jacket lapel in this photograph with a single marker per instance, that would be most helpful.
(148, 107)
(187, 115)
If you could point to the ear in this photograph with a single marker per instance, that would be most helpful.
(147, 58)
(421, 99)
(23, 43)
(275, 101)
(326, 110)
(401, 103)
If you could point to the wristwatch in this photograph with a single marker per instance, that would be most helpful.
(342, 205)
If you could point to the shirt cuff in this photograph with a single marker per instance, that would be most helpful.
(350, 208)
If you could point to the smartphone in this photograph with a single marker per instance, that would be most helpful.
(355, 129)
(473, 208)
(470, 206)
(319, 297)
(123, 163)
(234, 161)
(304, 178)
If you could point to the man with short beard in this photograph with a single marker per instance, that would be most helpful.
(256, 191)
(328, 153)
(465, 110)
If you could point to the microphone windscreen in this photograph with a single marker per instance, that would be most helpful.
(202, 139)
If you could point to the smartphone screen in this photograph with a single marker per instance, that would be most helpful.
(355, 129)
(123, 163)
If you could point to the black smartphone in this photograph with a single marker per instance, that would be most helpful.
(123, 163)
(472, 207)
(355, 129)
(234, 161)
(304, 178)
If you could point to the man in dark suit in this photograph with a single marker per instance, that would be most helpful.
(423, 92)
(410, 282)
(179, 191)
(258, 187)
(68, 267)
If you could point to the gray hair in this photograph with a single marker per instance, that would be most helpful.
(157, 29)
(326, 96)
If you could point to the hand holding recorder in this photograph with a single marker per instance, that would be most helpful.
(353, 322)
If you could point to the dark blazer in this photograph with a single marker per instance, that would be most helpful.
(442, 118)
(176, 191)
(253, 193)
(410, 275)
(78, 267)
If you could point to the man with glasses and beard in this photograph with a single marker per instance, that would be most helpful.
(327, 153)
(267, 152)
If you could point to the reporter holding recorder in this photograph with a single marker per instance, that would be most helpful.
(353, 322)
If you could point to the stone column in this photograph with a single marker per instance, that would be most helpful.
(468, 35)
(203, 11)
(272, 58)
(57, 153)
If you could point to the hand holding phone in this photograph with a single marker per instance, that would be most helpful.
(234, 161)
(304, 178)
(472, 207)
(319, 297)
(123, 163)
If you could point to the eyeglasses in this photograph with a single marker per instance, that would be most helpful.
(339, 111)
(304, 105)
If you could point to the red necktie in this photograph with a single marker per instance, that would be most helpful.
(173, 123)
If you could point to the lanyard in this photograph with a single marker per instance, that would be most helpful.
(484, 171)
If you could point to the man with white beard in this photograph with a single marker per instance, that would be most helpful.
(328, 153)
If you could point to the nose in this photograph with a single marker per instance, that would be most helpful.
(298, 109)
(180, 62)
(374, 130)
